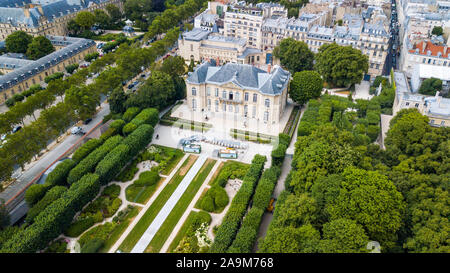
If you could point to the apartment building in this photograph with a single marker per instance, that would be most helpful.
(239, 89)
(26, 73)
(203, 45)
(425, 52)
(44, 17)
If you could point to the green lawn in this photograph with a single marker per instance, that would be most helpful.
(141, 195)
(138, 230)
(184, 228)
(119, 229)
(164, 231)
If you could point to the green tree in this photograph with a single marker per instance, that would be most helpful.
(341, 65)
(372, 200)
(117, 100)
(39, 47)
(343, 236)
(114, 12)
(174, 66)
(294, 55)
(304, 239)
(437, 30)
(305, 85)
(430, 86)
(18, 42)
(102, 18)
(85, 19)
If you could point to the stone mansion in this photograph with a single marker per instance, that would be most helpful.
(240, 89)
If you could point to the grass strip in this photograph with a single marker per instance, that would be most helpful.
(138, 230)
(172, 219)
(184, 228)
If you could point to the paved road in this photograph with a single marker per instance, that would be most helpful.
(170, 204)
(44, 162)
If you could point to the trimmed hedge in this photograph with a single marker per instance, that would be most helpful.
(35, 193)
(130, 113)
(278, 154)
(230, 224)
(53, 76)
(53, 194)
(215, 199)
(247, 234)
(86, 149)
(266, 184)
(111, 165)
(146, 116)
(89, 163)
(71, 68)
(59, 174)
(55, 218)
(128, 128)
(117, 125)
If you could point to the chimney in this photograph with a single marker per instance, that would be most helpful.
(217, 61)
(438, 98)
(424, 45)
(268, 68)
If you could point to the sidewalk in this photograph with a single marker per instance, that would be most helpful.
(190, 208)
(170, 204)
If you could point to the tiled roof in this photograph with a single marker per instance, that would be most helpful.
(27, 71)
(430, 49)
(243, 75)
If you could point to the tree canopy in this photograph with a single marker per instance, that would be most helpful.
(39, 47)
(294, 55)
(18, 42)
(341, 66)
(430, 86)
(305, 85)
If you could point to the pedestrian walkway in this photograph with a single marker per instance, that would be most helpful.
(170, 204)
(190, 208)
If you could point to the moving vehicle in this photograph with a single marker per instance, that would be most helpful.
(87, 121)
(77, 131)
(16, 129)
(271, 206)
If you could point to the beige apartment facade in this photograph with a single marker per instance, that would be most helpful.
(202, 45)
(238, 89)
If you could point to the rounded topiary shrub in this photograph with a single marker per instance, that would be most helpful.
(207, 203)
(220, 198)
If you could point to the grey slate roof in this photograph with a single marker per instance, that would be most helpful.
(13, 63)
(76, 45)
(11, 11)
(243, 75)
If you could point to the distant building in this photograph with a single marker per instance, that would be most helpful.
(21, 74)
(44, 17)
(422, 72)
(239, 89)
(202, 45)
(436, 108)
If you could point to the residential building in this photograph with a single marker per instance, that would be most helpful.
(436, 108)
(44, 17)
(425, 52)
(422, 72)
(242, 90)
(26, 73)
(203, 45)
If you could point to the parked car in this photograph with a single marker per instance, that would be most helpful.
(16, 129)
(87, 121)
(77, 131)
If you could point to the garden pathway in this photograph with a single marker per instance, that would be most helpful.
(170, 204)
(149, 203)
(190, 207)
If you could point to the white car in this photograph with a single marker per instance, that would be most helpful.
(77, 130)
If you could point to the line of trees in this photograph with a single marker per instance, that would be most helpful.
(34, 48)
